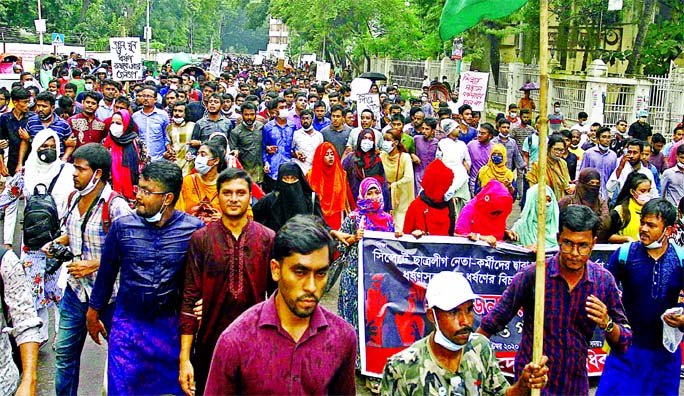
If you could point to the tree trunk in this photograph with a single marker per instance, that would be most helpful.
(644, 23)
(84, 10)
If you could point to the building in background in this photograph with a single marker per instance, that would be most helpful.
(278, 38)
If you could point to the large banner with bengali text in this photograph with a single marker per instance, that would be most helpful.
(393, 275)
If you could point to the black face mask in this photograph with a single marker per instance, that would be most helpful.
(47, 155)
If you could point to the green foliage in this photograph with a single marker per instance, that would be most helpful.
(665, 39)
(176, 24)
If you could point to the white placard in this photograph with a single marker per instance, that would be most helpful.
(322, 71)
(473, 90)
(215, 67)
(126, 58)
(258, 59)
(371, 102)
(360, 86)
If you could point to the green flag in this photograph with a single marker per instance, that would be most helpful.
(460, 15)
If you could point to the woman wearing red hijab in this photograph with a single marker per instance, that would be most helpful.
(433, 211)
(329, 181)
(129, 154)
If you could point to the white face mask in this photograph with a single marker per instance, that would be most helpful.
(441, 339)
(178, 120)
(90, 187)
(157, 216)
(387, 146)
(680, 165)
(642, 199)
(657, 244)
(116, 130)
(513, 114)
(282, 113)
(307, 129)
(173, 86)
(366, 145)
(202, 165)
(88, 87)
(556, 109)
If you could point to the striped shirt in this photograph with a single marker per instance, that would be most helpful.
(567, 328)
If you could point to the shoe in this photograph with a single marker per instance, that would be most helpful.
(42, 344)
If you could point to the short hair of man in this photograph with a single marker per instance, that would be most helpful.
(336, 107)
(306, 112)
(65, 101)
(231, 174)
(248, 106)
(46, 96)
(463, 108)
(166, 173)
(20, 94)
(578, 218)
(302, 234)
(662, 209)
(657, 138)
(97, 156)
(92, 95)
(635, 142)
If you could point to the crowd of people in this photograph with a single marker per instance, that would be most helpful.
(195, 223)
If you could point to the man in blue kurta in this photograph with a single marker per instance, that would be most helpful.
(147, 249)
(651, 275)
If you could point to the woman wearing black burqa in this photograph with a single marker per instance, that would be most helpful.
(292, 196)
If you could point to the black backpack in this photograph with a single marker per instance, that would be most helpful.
(41, 219)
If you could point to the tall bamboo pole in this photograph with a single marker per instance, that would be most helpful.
(539, 295)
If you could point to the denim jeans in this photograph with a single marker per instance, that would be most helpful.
(71, 338)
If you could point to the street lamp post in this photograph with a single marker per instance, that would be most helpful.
(148, 30)
(40, 31)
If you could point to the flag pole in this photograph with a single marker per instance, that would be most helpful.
(539, 295)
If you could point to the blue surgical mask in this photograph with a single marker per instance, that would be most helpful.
(202, 165)
(387, 146)
(497, 159)
(441, 339)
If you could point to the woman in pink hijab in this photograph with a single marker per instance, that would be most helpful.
(129, 154)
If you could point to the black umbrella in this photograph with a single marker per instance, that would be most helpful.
(374, 76)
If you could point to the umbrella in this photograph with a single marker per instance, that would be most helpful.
(529, 86)
(374, 76)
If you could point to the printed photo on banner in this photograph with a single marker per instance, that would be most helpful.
(394, 273)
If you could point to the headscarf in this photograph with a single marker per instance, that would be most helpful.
(497, 172)
(329, 182)
(493, 198)
(376, 219)
(526, 225)
(367, 164)
(35, 170)
(589, 195)
(130, 157)
(291, 199)
(436, 182)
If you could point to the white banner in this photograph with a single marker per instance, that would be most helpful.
(126, 58)
(473, 89)
(215, 67)
(322, 71)
(371, 102)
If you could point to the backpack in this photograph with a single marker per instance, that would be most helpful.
(204, 211)
(41, 218)
(625, 248)
(16, 355)
(106, 216)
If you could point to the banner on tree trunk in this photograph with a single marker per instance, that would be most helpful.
(393, 275)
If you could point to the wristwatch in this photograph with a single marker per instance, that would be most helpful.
(609, 326)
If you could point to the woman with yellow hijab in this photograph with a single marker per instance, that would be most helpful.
(496, 169)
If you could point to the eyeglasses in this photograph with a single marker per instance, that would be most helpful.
(584, 249)
(558, 150)
(145, 96)
(147, 193)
